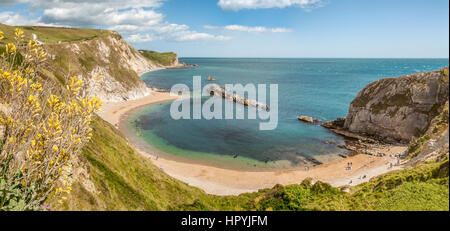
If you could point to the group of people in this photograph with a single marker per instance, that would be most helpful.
(349, 166)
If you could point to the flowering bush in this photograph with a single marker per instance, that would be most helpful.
(43, 131)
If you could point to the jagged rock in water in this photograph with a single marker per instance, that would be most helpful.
(308, 119)
(334, 124)
(399, 108)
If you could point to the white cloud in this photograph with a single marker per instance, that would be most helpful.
(11, 18)
(14, 19)
(265, 4)
(138, 38)
(139, 19)
(104, 4)
(176, 32)
(256, 29)
(87, 16)
(191, 36)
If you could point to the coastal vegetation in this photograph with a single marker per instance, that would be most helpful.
(44, 164)
(424, 187)
(161, 59)
(52, 35)
(41, 132)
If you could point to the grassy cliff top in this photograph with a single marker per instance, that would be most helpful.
(52, 35)
(164, 59)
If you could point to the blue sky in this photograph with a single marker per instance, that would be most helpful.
(256, 28)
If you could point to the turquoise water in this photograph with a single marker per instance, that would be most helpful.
(321, 88)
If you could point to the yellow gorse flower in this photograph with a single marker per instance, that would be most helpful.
(10, 48)
(19, 34)
(75, 85)
(47, 126)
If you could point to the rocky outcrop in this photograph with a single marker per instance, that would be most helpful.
(308, 119)
(167, 60)
(434, 145)
(398, 108)
(111, 55)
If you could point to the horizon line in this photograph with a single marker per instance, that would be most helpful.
(243, 57)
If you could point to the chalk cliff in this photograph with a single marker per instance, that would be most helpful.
(111, 55)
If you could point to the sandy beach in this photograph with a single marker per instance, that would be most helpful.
(219, 181)
(113, 111)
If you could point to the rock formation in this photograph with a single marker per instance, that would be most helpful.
(398, 108)
(308, 119)
(109, 54)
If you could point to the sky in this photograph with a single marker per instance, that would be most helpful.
(255, 28)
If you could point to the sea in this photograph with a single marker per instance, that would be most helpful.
(319, 88)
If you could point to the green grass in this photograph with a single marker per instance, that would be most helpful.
(426, 197)
(164, 59)
(52, 35)
(421, 188)
(128, 181)
(445, 77)
(8, 33)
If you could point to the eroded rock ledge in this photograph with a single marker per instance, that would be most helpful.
(396, 109)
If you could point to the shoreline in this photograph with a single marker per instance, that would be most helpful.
(222, 181)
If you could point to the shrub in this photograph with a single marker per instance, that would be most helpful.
(43, 132)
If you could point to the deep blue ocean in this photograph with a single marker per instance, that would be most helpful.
(320, 88)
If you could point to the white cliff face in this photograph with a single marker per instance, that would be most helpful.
(399, 108)
(129, 57)
(110, 90)
(112, 56)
